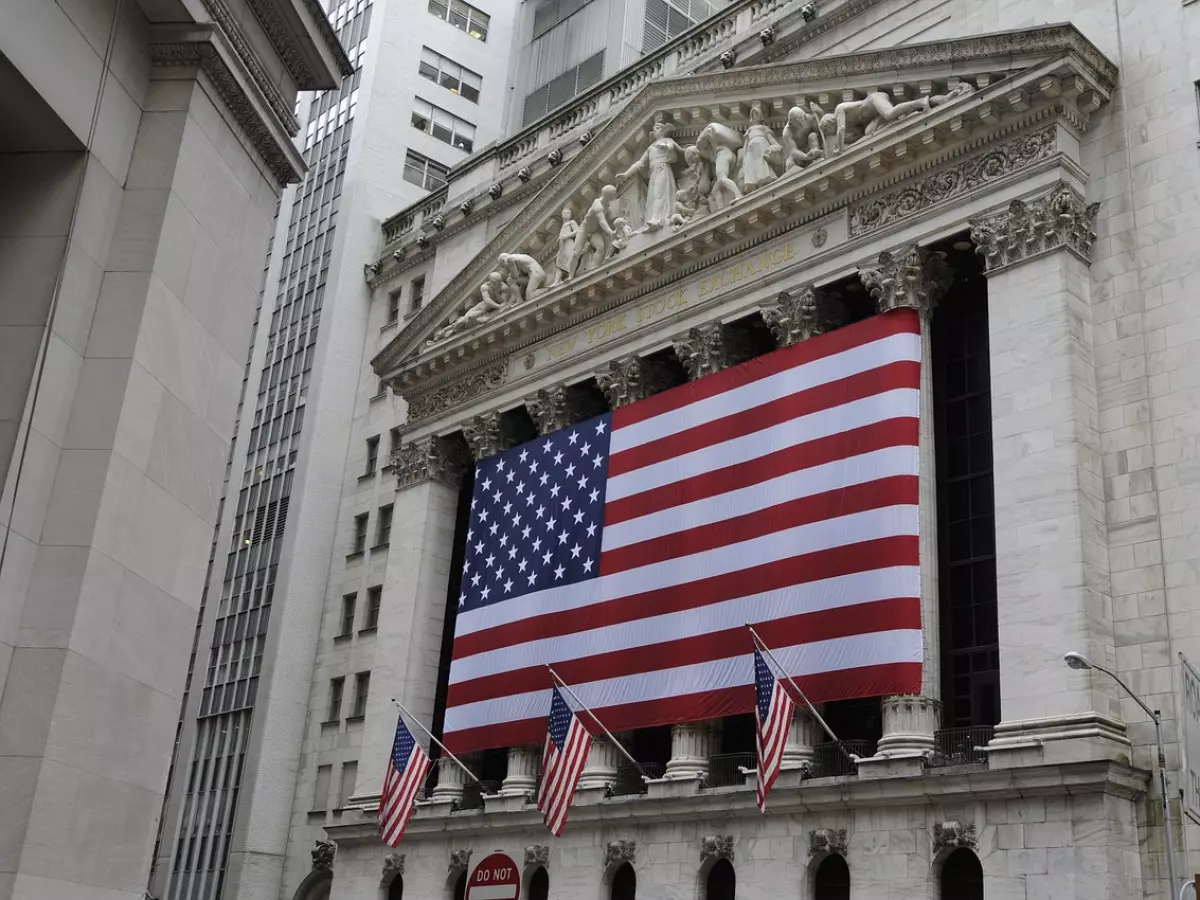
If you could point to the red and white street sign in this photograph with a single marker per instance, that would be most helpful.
(495, 878)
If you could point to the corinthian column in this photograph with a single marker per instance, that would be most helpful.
(916, 278)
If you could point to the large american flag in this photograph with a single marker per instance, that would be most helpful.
(406, 770)
(630, 551)
(563, 758)
(774, 707)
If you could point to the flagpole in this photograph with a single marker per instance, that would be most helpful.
(470, 774)
(829, 731)
(616, 743)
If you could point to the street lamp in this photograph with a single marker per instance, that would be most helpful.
(1079, 661)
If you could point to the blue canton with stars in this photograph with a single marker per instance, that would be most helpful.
(537, 515)
(764, 685)
(560, 720)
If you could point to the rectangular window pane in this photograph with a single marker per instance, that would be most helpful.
(336, 685)
(349, 775)
(362, 684)
(374, 599)
(348, 603)
(321, 795)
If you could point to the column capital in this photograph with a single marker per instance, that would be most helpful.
(709, 348)
(1057, 220)
(629, 379)
(794, 316)
(550, 408)
(484, 435)
(429, 459)
(911, 277)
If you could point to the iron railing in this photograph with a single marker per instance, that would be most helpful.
(833, 757)
(725, 769)
(960, 746)
(629, 780)
(474, 792)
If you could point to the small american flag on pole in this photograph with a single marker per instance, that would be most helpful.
(629, 551)
(406, 771)
(774, 708)
(567, 746)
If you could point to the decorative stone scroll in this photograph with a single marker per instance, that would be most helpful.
(323, 853)
(484, 435)
(912, 277)
(709, 348)
(537, 855)
(1059, 219)
(618, 852)
(550, 408)
(429, 459)
(459, 860)
(456, 392)
(715, 847)
(630, 379)
(824, 841)
(393, 865)
(953, 835)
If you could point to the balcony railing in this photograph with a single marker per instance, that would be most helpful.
(474, 792)
(629, 780)
(725, 769)
(960, 746)
(833, 757)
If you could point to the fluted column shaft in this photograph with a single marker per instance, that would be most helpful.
(523, 765)
(692, 743)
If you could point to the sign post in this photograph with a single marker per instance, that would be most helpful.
(1191, 739)
(495, 878)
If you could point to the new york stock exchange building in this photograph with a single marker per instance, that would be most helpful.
(633, 273)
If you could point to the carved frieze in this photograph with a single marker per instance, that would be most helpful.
(620, 852)
(630, 379)
(457, 392)
(1060, 219)
(537, 855)
(393, 864)
(794, 316)
(951, 181)
(953, 835)
(550, 408)
(484, 435)
(911, 277)
(323, 853)
(715, 847)
(459, 860)
(709, 348)
(429, 459)
(824, 841)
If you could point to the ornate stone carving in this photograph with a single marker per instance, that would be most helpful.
(523, 275)
(728, 58)
(715, 847)
(438, 222)
(767, 36)
(567, 234)
(998, 161)
(912, 277)
(618, 852)
(856, 120)
(824, 841)
(393, 864)
(456, 392)
(459, 860)
(524, 173)
(537, 855)
(1059, 219)
(595, 238)
(484, 435)
(794, 316)
(397, 255)
(808, 12)
(371, 269)
(323, 853)
(953, 835)
(423, 242)
(762, 154)
(656, 166)
(820, 236)
(586, 138)
(630, 379)
(496, 191)
(709, 348)
(429, 459)
(466, 206)
(550, 408)
(554, 157)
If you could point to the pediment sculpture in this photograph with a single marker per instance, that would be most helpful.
(671, 184)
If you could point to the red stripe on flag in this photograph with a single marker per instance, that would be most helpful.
(874, 328)
(899, 550)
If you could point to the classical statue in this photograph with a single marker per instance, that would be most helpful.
(718, 144)
(494, 298)
(622, 232)
(761, 153)
(656, 167)
(802, 139)
(692, 199)
(523, 274)
(595, 232)
(566, 244)
(876, 111)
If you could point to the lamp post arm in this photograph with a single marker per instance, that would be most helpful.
(1140, 702)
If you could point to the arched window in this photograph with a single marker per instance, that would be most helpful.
(962, 876)
(539, 884)
(832, 879)
(460, 885)
(624, 883)
(721, 881)
(396, 889)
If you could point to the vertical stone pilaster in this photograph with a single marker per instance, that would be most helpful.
(523, 765)
(916, 278)
(1045, 423)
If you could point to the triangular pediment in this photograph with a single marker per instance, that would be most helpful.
(900, 108)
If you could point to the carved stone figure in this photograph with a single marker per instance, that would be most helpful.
(393, 864)
(566, 245)
(692, 199)
(876, 110)
(761, 153)
(493, 298)
(620, 852)
(719, 144)
(954, 835)
(826, 841)
(802, 139)
(622, 232)
(459, 859)
(523, 275)
(323, 853)
(656, 167)
(537, 855)
(716, 846)
(595, 231)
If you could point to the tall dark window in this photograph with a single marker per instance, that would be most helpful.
(460, 885)
(966, 506)
(962, 876)
(624, 883)
(832, 879)
(396, 889)
(721, 881)
(539, 885)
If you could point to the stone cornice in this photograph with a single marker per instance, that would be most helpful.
(945, 786)
(282, 20)
(210, 50)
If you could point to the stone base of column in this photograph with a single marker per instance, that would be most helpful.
(691, 746)
(600, 770)
(1075, 737)
(449, 787)
(521, 777)
(909, 724)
